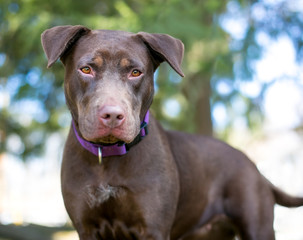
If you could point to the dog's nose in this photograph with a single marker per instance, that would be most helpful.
(111, 116)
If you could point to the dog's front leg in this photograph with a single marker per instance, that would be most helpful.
(87, 233)
(119, 231)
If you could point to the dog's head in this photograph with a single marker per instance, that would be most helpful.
(109, 76)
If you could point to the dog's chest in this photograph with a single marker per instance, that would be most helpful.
(114, 211)
(98, 195)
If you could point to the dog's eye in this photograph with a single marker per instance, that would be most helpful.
(135, 73)
(86, 70)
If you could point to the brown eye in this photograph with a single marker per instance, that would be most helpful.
(136, 73)
(86, 70)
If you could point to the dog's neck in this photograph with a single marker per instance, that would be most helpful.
(116, 149)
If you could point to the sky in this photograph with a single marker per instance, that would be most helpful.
(283, 100)
(277, 67)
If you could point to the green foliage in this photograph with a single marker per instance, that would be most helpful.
(32, 104)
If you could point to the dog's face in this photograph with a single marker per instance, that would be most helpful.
(109, 73)
(109, 77)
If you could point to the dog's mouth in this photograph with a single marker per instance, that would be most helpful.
(98, 134)
(110, 139)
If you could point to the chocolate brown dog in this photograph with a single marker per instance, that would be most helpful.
(123, 176)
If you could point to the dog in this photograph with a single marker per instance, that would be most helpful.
(123, 176)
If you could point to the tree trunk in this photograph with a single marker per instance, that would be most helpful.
(197, 90)
(202, 117)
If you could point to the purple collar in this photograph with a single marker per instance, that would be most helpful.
(117, 149)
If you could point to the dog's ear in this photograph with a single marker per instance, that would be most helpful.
(57, 41)
(165, 48)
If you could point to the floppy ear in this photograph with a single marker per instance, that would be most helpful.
(57, 41)
(165, 48)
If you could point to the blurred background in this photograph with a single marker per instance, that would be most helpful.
(244, 84)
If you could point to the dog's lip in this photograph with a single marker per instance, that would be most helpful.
(110, 139)
(108, 136)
